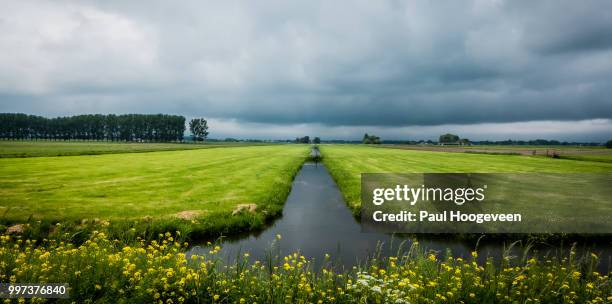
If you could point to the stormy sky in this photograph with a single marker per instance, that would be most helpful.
(486, 69)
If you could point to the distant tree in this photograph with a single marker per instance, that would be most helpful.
(302, 140)
(128, 127)
(448, 138)
(199, 128)
(609, 144)
(464, 141)
(371, 139)
(316, 140)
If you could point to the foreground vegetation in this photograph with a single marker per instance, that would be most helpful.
(10, 149)
(346, 163)
(104, 271)
(186, 190)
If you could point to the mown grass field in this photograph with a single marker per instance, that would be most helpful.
(529, 150)
(120, 263)
(508, 147)
(156, 184)
(605, 158)
(347, 162)
(66, 148)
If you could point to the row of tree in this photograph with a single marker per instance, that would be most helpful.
(129, 127)
(453, 139)
(306, 140)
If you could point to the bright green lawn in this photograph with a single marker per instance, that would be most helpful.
(347, 162)
(63, 148)
(158, 184)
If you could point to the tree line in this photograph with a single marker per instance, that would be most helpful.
(306, 140)
(111, 127)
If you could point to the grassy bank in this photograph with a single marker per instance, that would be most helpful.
(194, 190)
(346, 162)
(70, 148)
(103, 271)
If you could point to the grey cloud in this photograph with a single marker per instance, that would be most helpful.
(558, 27)
(359, 63)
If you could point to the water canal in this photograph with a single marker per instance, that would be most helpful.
(316, 222)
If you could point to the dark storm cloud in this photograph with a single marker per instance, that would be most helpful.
(363, 63)
(583, 27)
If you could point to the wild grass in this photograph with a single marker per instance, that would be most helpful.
(194, 190)
(346, 163)
(104, 271)
(14, 148)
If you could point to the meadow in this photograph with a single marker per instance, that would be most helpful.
(604, 158)
(11, 148)
(116, 227)
(346, 162)
(174, 186)
(531, 150)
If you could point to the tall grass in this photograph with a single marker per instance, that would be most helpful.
(103, 270)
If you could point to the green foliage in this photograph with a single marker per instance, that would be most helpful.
(130, 127)
(303, 140)
(448, 138)
(464, 141)
(316, 140)
(609, 144)
(102, 271)
(371, 139)
(199, 128)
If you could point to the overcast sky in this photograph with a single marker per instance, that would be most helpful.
(334, 69)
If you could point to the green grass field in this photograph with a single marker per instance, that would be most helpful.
(347, 162)
(528, 150)
(539, 147)
(606, 158)
(67, 148)
(156, 184)
(130, 260)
